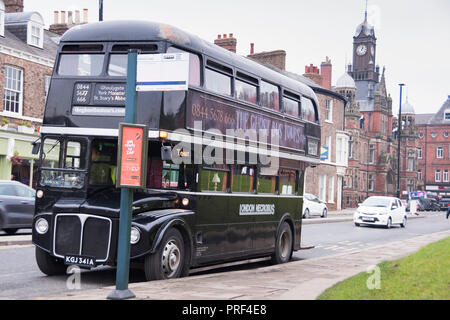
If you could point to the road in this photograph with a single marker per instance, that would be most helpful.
(21, 279)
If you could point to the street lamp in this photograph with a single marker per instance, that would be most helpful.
(399, 132)
(100, 10)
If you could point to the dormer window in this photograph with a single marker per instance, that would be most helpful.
(447, 115)
(36, 31)
(27, 26)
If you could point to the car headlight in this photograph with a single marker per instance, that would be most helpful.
(41, 226)
(135, 235)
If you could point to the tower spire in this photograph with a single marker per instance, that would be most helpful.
(365, 13)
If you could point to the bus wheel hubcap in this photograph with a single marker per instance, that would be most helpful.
(171, 258)
(284, 244)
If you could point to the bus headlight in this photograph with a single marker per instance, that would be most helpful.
(135, 235)
(41, 226)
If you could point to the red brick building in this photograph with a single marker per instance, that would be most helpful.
(27, 54)
(434, 150)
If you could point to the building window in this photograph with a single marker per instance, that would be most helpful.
(350, 147)
(433, 134)
(330, 189)
(446, 134)
(411, 186)
(410, 164)
(13, 90)
(419, 153)
(440, 152)
(437, 176)
(447, 115)
(328, 145)
(420, 135)
(419, 175)
(371, 182)
(2, 20)
(445, 177)
(329, 110)
(322, 186)
(372, 153)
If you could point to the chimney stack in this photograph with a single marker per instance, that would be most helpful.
(60, 25)
(326, 70)
(312, 72)
(225, 42)
(12, 6)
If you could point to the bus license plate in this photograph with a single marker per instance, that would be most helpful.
(82, 261)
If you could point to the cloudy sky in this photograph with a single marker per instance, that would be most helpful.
(413, 41)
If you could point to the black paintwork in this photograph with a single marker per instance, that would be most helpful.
(213, 229)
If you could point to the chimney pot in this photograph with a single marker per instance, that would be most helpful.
(70, 17)
(231, 35)
(252, 48)
(85, 15)
(219, 36)
(63, 17)
(224, 36)
(56, 17)
(77, 16)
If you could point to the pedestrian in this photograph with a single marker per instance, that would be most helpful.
(448, 210)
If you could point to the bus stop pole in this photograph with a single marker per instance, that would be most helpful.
(126, 195)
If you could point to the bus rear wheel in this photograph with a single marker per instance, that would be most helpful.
(168, 261)
(49, 265)
(283, 245)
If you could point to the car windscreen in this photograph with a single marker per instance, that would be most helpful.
(377, 202)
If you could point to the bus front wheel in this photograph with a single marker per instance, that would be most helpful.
(283, 244)
(168, 261)
(49, 265)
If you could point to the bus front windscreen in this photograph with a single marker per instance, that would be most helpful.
(81, 65)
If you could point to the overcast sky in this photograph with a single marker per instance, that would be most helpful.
(413, 36)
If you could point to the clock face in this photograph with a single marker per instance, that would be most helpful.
(361, 50)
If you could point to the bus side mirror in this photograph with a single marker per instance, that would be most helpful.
(36, 147)
(166, 153)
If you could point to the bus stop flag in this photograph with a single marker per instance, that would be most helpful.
(162, 72)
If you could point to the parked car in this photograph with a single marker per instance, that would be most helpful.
(382, 211)
(16, 206)
(312, 206)
(444, 203)
(430, 204)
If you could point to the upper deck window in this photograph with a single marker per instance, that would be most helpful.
(81, 64)
(217, 82)
(308, 110)
(118, 62)
(291, 107)
(269, 96)
(245, 91)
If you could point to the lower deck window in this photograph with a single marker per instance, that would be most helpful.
(214, 178)
(243, 179)
(288, 180)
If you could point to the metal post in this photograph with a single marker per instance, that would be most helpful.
(100, 10)
(126, 195)
(399, 132)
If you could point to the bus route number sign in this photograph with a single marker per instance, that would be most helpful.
(132, 156)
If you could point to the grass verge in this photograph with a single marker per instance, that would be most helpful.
(424, 275)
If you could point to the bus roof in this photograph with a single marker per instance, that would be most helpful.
(131, 31)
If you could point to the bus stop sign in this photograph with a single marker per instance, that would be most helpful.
(132, 156)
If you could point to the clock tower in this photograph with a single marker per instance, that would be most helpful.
(364, 50)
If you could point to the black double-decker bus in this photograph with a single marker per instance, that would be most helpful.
(211, 208)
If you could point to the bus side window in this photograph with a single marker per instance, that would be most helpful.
(154, 174)
(288, 180)
(243, 179)
(214, 178)
(267, 180)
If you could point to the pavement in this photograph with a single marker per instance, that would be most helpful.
(296, 280)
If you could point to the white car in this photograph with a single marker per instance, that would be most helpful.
(381, 211)
(312, 206)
